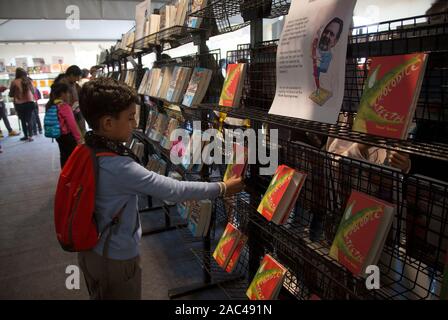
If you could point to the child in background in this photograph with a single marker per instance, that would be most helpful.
(112, 269)
(70, 135)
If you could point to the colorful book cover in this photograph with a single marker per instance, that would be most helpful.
(358, 231)
(233, 261)
(166, 142)
(390, 95)
(173, 82)
(196, 5)
(239, 163)
(226, 245)
(193, 86)
(235, 74)
(267, 281)
(277, 188)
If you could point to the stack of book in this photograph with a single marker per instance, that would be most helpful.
(166, 142)
(268, 280)
(159, 127)
(229, 248)
(164, 82)
(197, 87)
(199, 217)
(281, 195)
(178, 84)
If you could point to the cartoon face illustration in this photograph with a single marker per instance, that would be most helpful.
(331, 34)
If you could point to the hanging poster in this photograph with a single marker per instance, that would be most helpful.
(311, 59)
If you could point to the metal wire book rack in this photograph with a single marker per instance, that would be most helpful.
(412, 261)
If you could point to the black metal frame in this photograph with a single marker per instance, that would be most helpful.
(412, 261)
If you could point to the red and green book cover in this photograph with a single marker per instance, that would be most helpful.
(233, 85)
(268, 280)
(362, 232)
(444, 291)
(239, 162)
(390, 95)
(281, 194)
(233, 261)
(226, 245)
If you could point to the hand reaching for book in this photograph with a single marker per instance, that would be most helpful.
(400, 161)
(234, 185)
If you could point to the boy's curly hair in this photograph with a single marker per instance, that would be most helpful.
(105, 96)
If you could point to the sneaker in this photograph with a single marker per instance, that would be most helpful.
(23, 139)
(30, 139)
(13, 133)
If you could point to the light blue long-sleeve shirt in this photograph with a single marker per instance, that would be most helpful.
(121, 180)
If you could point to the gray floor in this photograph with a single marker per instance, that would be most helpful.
(32, 265)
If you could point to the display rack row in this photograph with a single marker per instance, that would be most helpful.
(412, 261)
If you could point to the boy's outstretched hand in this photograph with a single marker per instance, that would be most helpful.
(234, 185)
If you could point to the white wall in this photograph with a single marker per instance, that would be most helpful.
(373, 11)
(82, 54)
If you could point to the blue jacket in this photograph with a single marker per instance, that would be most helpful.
(121, 180)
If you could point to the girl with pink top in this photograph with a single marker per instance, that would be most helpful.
(70, 134)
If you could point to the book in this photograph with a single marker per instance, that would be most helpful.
(200, 216)
(152, 117)
(159, 127)
(229, 248)
(233, 261)
(193, 153)
(239, 162)
(166, 142)
(390, 95)
(226, 245)
(311, 59)
(164, 82)
(181, 12)
(233, 85)
(178, 84)
(144, 82)
(267, 281)
(196, 5)
(183, 210)
(154, 24)
(197, 87)
(153, 82)
(167, 16)
(362, 232)
(141, 13)
(281, 195)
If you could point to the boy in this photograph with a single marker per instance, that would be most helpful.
(112, 269)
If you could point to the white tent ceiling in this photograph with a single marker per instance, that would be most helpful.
(45, 20)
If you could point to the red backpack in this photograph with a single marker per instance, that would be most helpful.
(74, 206)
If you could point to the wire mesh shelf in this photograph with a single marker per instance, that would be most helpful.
(234, 284)
(414, 34)
(225, 9)
(413, 259)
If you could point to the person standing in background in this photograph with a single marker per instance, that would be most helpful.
(84, 77)
(93, 72)
(22, 91)
(37, 125)
(4, 116)
(71, 77)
